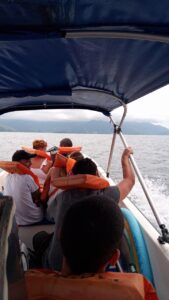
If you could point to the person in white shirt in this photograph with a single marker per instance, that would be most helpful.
(24, 191)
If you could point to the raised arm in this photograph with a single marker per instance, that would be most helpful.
(128, 181)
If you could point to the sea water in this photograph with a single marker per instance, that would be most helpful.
(150, 153)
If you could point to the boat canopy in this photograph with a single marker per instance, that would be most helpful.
(88, 54)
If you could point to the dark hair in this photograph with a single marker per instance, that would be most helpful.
(76, 155)
(85, 166)
(22, 154)
(66, 143)
(91, 232)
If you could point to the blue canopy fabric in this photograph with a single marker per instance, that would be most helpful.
(89, 54)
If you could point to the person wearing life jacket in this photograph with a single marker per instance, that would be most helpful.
(66, 142)
(77, 155)
(52, 257)
(62, 167)
(90, 237)
(65, 148)
(24, 191)
(40, 165)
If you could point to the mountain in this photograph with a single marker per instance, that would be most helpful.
(80, 127)
(4, 128)
(144, 128)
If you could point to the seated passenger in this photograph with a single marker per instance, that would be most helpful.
(76, 155)
(90, 237)
(53, 255)
(66, 142)
(24, 191)
(50, 191)
(40, 165)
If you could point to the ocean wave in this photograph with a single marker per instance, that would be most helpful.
(159, 194)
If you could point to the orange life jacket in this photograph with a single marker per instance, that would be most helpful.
(18, 168)
(45, 191)
(64, 162)
(81, 181)
(37, 152)
(60, 162)
(67, 150)
(70, 164)
(50, 285)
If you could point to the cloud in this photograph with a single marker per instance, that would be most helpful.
(55, 115)
(154, 107)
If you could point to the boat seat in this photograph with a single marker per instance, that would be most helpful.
(11, 272)
(133, 240)
(48, 285)
(6, 206)
(26, 233)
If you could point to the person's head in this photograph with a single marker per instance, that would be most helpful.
(85, 166)
(90, 235)
(66, 142)
(23, 157)
(39, 145)
(76, 155)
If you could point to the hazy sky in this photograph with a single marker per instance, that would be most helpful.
(153, 107)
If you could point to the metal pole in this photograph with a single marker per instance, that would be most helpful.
(111, 151)
(114, 136)
(141, 180)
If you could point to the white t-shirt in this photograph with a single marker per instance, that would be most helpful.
(20, 187)
(39, 172)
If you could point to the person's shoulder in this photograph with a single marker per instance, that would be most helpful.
(112, 188)
(66, 196)
(12, 176)
(27, 177)
(75, 193)
(8, 178)
(30, 181)
(8, 175)
(113, 192)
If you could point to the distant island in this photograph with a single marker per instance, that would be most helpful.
(93, 127)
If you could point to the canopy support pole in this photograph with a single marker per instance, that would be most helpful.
(111, 151)
(115, 135)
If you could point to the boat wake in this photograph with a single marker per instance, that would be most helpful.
(159, 193)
